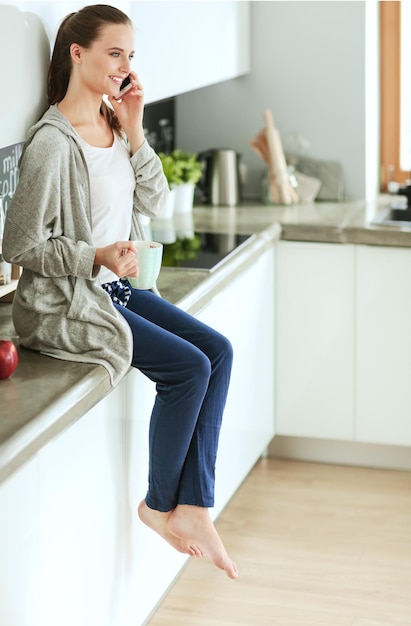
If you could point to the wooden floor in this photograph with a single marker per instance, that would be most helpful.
(316, 545)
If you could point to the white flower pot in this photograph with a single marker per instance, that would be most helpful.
(167, 211)
(163, 230)
(184, 225)
(184, 198)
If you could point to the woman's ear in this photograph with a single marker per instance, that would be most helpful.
(75, 53)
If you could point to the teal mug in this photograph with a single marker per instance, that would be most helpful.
(149, 257)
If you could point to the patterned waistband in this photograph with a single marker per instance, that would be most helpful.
(119, 291)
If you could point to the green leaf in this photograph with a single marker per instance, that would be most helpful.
(181, 167)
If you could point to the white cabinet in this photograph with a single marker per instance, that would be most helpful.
(244, 312)
(182, 46)
(64, 540)
(315, 340)
(383, 368)
(84, 536)
(18, 547)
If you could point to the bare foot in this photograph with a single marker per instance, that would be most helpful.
(157, 521)
(193, 525)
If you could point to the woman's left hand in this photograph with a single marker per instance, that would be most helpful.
(129, 111)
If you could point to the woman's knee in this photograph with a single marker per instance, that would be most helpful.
(228, 349)
(200, 367)
(224, 350)
(191, 367)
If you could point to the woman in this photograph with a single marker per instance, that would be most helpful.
(86, 174)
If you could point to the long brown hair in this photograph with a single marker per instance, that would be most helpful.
(82, 27)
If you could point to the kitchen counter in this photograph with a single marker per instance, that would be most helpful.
(44, 396)
(327, 222)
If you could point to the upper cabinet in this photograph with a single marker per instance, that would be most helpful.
(182, 46)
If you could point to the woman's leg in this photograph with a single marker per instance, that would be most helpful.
(188, 527)
(197, 477)
(181, 373)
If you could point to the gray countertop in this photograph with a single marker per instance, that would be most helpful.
(44, 396)
(333, 222)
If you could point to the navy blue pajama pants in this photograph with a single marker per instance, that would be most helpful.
(190, 364)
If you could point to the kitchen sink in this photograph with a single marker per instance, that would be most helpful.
(394, 217)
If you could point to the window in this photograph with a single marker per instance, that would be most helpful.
(405, 85)
(395, 18)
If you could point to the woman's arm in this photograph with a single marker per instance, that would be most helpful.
(47, 213)
(151, 184)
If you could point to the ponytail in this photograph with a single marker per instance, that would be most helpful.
(60, 65)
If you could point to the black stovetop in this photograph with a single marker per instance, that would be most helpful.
(203, 251)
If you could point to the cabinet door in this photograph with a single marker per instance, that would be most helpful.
(384, 345)
(183, 46)
(315, 340)
(244, 312)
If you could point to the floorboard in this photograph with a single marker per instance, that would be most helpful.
(316, 545)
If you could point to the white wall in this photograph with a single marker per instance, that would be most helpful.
(308, 66)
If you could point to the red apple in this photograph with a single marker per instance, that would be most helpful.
(8, 358)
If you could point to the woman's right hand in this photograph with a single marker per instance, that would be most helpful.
(130, 111)
(119, 257)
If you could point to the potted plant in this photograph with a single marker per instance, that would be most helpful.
(183, 171)
(170, 169)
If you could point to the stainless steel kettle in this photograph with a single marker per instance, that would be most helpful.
(220, 183)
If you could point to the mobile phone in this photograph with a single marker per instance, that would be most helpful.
(124, 87)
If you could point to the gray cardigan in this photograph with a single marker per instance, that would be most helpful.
(59, 307)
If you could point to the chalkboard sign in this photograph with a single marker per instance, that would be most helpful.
(9, 171)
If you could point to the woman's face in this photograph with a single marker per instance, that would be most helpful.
(107, 62)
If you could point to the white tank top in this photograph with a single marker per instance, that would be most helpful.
(112, 183)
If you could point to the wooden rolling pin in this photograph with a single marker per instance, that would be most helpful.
(277, 163)
(260, 148)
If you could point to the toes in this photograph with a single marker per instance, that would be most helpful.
(196, 550)
(232, 572)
